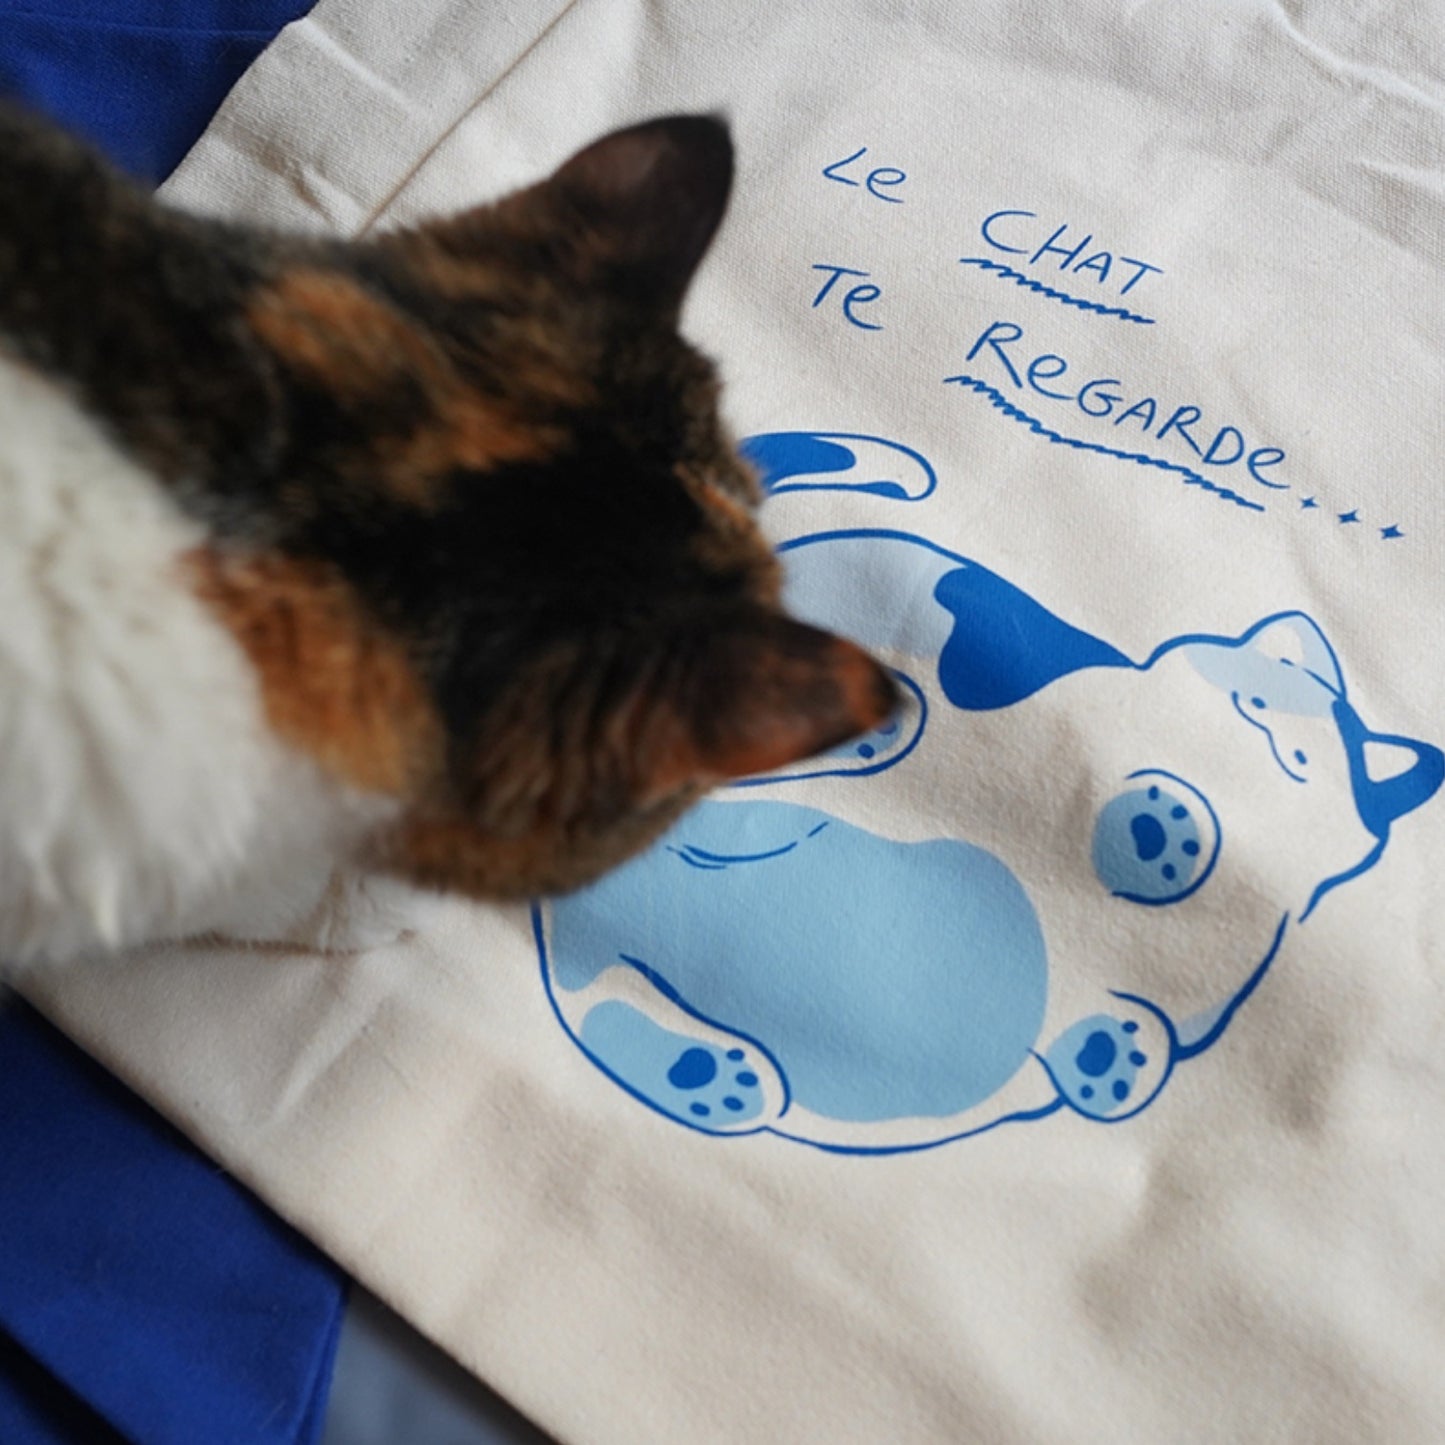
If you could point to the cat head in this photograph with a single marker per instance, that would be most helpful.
(500, 561)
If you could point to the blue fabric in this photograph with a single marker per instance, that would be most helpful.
(138, 1278)
(144, 1295)
(140, 78)
(36, 1409)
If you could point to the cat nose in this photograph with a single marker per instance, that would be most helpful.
(870, 695)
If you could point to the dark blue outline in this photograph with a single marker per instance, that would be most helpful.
(1380, 802)
(1164, 1078)
(1269, 733)
(997, 399)
(721, 860)
(1178, 1051)
(671, 994)
(668, 992)
(1008, 273)
(1022, 1116)
(1213, 857)
(1226, 1017)
(1187, 639)
(1337, 686)
(894, 534)
(1360, 868)
(1190, 638)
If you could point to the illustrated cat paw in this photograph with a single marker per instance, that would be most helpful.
(705, 1077)
(1156, 841)
(1109, 1066)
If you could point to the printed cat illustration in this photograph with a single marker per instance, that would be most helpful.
(816, 954)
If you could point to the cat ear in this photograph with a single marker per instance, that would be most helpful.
(642, 205)
(1296, 640)
(756, 694)
(1390, 775)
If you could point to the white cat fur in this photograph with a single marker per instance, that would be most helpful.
(142, 795)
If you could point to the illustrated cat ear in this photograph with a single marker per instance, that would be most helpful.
(756, 694)
(643, 204)
(1296, 640)
(1390, 775)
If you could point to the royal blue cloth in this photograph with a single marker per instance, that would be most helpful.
(140, 1286)
(145, 1296)
(141, 78)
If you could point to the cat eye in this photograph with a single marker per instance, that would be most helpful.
(1156, 841)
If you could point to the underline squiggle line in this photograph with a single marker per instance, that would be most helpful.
(1003, 404)
(1008, 273)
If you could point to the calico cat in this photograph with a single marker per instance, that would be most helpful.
(426, 554)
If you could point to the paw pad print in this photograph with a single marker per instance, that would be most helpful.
(1156, 841)
(709, 1079)
(715, 1084)
(1107, 1065)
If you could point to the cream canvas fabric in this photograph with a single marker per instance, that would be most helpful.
(1066, 1063)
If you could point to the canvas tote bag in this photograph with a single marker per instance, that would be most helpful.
(1065, 1061)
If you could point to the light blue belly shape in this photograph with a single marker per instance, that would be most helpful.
(887, 980)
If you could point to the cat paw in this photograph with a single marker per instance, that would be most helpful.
(706, 1077)
(1109, 1066)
